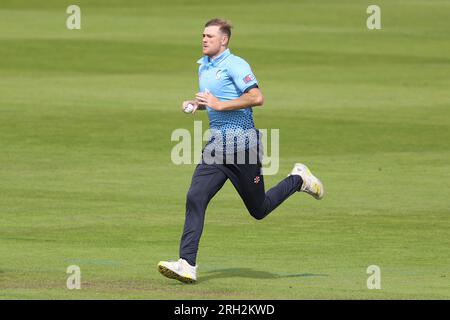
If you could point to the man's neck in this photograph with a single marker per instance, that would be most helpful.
(217, 54)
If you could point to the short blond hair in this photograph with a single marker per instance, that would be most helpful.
(225, 26)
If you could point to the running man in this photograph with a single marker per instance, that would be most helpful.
(228, 91)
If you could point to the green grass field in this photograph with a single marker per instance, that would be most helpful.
(85, 171)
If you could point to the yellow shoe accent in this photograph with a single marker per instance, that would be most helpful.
(173, 275)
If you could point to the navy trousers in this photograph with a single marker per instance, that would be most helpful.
(247, 179)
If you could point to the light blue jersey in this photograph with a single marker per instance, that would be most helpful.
(227, 77)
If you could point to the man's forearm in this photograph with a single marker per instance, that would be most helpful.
(249, 99)
(239, 103)
(252, 98)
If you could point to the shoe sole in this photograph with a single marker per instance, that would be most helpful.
(322, 193)
(173, 275)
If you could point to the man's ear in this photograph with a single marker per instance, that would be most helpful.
(225, 40)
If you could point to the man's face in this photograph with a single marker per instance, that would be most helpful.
(213, 41)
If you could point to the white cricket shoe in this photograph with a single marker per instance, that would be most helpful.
(180, 270)
(311, 184)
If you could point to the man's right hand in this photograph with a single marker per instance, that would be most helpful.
(193, 102)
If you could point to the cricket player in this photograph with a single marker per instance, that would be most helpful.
(228, 92)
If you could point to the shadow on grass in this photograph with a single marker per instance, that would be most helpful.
(250, 273)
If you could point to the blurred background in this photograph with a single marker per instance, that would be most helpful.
(86, 177)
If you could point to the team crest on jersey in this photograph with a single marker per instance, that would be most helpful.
(257, 179)
(248, 78)
(218, 74)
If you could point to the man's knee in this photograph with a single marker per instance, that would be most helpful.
(196, 197)
(257, 213)
(192, 196)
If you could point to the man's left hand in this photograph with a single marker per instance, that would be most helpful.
(207, 99)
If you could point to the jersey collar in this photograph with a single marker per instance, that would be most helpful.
(214, 62)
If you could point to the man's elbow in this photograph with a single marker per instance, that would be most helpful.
(256, 97)
(259, 100)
